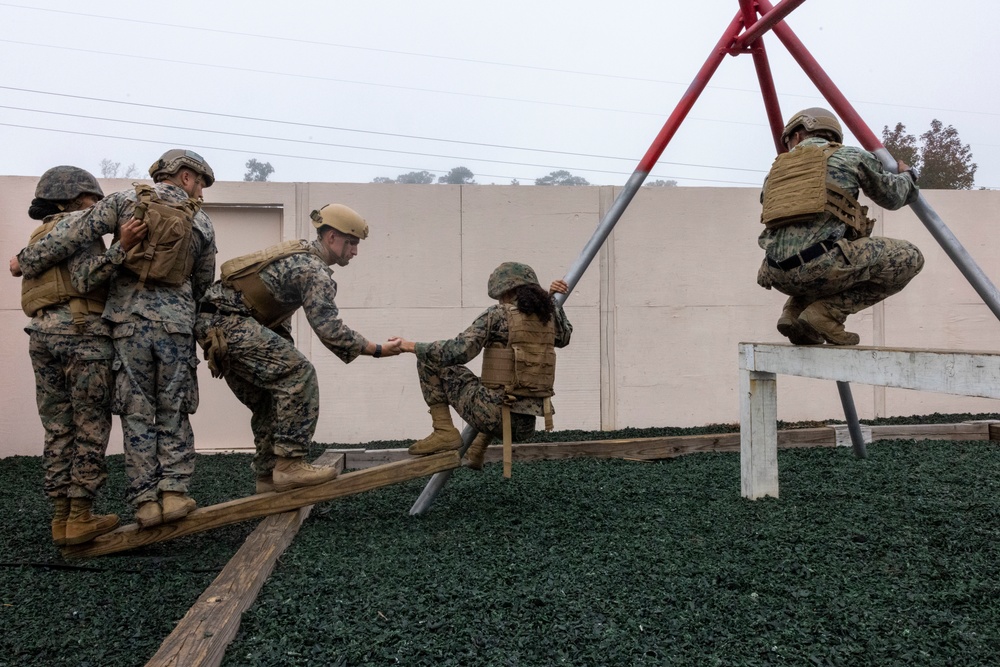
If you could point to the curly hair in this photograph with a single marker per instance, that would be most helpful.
(533, 300)
(43, 208)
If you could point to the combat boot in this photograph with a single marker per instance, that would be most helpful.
(828, 322)
(176, 505)
(443, 438)
(476, 453)
(60, 512)
(790, 327)
(82, 526)
(292, 473)
(149, 514)
(265, 483)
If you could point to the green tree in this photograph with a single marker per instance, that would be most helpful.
(943, 161)
(382, 179)
(417, 177)
(110, 169)
(257, 171)
(458, 176)
(660, 183)
(561, 177)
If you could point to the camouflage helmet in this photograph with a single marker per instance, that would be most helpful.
(172, 161)
(342, 218)
(509, 275)
(812, 120)
(65, 183)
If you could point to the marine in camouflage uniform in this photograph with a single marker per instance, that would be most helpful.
(262, 365)
(849, 274)
(71, 352)
(152, 330)
(446, 381)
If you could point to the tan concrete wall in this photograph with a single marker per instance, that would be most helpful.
(657, 317)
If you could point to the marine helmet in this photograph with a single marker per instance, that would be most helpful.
(342, 218)
(509, 275)
(813, 119)
(65, 183)
(172, 161)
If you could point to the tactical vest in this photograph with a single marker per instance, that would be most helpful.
(54, 286)
(243, 275)
(164, 256)
(526, 367)
(799, 189)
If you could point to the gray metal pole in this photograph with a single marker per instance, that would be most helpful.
(851, 415)
(955, 250)
(572, 277)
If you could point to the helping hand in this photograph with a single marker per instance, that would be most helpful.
(132, 233)
(15, 267)
(558, 286)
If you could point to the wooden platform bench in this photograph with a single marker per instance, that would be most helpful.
(966, 373)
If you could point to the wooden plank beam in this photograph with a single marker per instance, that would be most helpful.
(202, 636)
(966, 373)
(264, 504)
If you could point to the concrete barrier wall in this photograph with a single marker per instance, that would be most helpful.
(657, 317)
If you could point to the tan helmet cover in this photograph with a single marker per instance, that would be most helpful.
(813, 119)
(342, 218)
(172, 161)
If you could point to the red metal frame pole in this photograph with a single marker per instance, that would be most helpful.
(763, 69)
(766, 22)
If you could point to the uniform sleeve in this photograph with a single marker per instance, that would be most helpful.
(203, 273)
(94, 268)
(891, 191)
(563, 328)
(461, 349)
(69, 236)
(318, 292)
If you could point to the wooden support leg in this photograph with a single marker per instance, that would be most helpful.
(508, 450)
(758, 434)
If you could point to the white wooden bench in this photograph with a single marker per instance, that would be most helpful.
(966, 373)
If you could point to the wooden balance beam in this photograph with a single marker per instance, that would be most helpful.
(968, 373)
(264, 504)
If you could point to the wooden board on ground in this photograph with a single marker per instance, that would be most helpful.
(202, 636)
(264, 504)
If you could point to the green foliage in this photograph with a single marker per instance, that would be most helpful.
(458, 176)
(660, 183)
(413, 177)
(257, 171)
(943, 161)
(561, 177)
(890, 560)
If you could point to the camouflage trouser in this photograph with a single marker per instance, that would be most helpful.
(272, 378)
(73, 391)
(156, 388)
(479, 406)
(856, 275)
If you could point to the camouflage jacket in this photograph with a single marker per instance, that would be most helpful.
(127, 298)
(490, 327)
(58, 319)
(303, 280)
(853, 169)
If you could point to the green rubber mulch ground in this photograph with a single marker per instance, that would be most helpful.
(894, 560)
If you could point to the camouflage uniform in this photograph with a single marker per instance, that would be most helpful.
(859, 273)
(444, 378)
(263, 368)
(155, 382)
(72, 366)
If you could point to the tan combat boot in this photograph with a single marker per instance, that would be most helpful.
(476, 452)
(176, 505)
(791, 328)
(149, 514)
(60, 512)
(265, 483)
(828, 322)
(82, 526)
(294, 472)
(443, 438)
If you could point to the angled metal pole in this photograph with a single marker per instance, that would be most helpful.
(593, 246)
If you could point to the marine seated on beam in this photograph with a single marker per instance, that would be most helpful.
(817, 237)
(244, 327)
(518, 337)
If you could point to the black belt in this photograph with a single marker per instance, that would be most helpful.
(807, 255)
(207, 308)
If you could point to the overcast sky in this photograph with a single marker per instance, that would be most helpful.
(348, 91)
